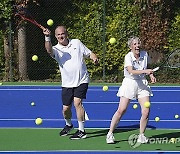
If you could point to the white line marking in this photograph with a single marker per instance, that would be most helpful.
(48, 89)
(95, 120)
(30, 89)
(105, 151)
(130, 102)
(94, 128)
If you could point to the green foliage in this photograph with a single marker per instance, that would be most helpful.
(174, 36)
(5, 16)
(121, 21)
(6, 13)
(6, 9)
(1, 55)
(85, 21)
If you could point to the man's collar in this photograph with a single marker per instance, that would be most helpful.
(67, 46)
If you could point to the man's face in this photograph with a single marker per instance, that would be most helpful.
(61, 35)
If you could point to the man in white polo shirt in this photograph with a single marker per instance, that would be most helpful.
(70, 53)
(134, 86)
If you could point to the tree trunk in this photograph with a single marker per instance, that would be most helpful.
(6, 54)
(22, 54)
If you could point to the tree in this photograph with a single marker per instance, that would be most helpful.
(8, 9)
(154, 25)
(6, 39)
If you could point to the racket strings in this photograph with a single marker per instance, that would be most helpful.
(174, 59)
(24, 14)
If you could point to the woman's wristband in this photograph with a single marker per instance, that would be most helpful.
(47, 38)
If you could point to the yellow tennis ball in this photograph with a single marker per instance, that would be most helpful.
(32, 104)
(147, 104)
(112, 40)
(135, 106)
(35, 58)
(176, 116)
(38, 121)
(50, 22)
(157, 119)
(1, 83)
(105, 88)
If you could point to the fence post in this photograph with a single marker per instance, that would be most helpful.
(104, 37)
(10, 51)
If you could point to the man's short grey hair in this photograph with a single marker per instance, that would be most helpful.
(131, 39)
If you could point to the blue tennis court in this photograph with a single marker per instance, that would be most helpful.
(16, 109)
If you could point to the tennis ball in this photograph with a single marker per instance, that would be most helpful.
(32, 104)
(147, 104)
(1, 83)
(38, 121)
(157, 119)
(50, 22)
(135, 106)
(35, 58)
(176, 116)
(105, 88)
(112, 40)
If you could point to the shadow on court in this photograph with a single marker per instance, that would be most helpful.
(120, 129)
(167, 135)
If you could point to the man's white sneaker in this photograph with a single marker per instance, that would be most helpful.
(110, 138)
(142, 139)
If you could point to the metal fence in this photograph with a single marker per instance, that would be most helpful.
(94, 23)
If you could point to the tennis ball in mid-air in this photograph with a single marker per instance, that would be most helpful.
(135, 106)
(35, 58)
(38, 121)
(112, 40)
(147, 104)
(157, 119)
(50, 22)
(32, 104)
(1, 83)
(176, 116)
(105, 88)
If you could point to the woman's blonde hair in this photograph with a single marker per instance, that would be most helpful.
(130, 40)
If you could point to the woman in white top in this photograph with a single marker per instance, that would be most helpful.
(134, 86)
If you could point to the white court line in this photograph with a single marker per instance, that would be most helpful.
(95, 120)
(24, 89)
(29, 89)
(105, 151)
(130, 102)
(164, 90)
(94, 128)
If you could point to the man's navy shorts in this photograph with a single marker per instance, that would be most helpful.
(68, 94)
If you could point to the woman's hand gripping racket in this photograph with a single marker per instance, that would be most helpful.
(173, 60)
(25, 15)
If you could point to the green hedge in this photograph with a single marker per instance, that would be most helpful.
(85, 21)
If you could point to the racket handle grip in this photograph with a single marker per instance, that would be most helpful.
(155, 69)
(42, 27)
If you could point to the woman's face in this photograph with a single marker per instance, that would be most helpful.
(135, 46)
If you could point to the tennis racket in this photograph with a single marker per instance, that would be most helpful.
(24, 14)
(173, 60)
